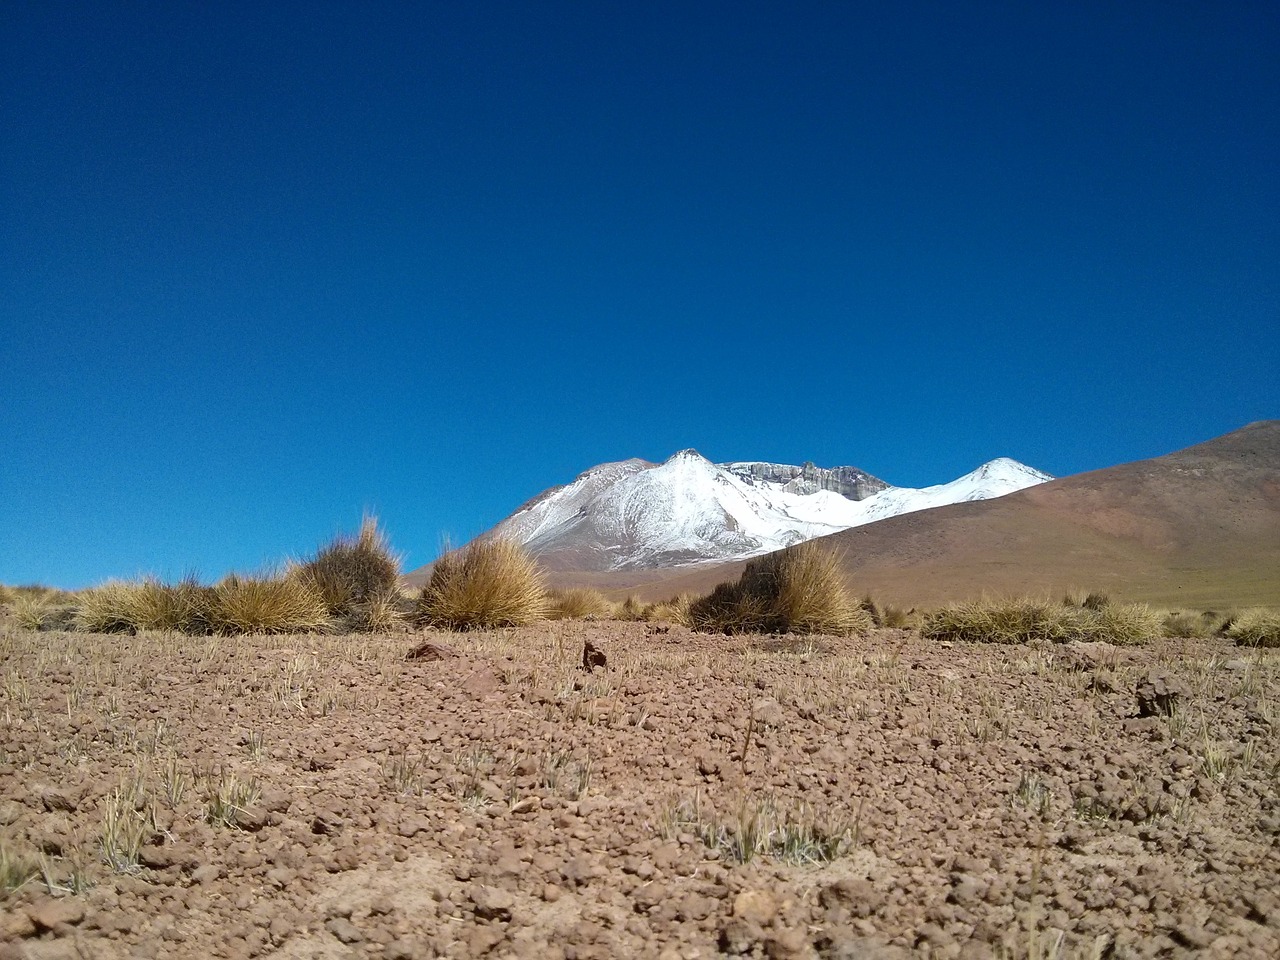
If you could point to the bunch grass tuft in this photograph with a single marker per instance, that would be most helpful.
(1017, 620)
(1256, 627)
(268, 604)
(488, 583)
(796, 590)
(577, 603)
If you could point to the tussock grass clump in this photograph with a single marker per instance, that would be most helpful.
(632, 609)
(577, 603)
(350, 572)
(896, 617)
(120, 606)
(1256, 627)
(31, 612)
(267, 604)
(180, 606)
(675, 610)
(1029, 619)
(1125, 624)
(1191, 625)
(112, 607)
(796, 590)
(488, 583)
(381, 613)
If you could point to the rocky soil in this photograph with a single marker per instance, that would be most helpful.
(693, 797)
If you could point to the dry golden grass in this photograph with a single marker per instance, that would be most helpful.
(675, 610)
(577, 603)
(1256, 627)
(381, 613)
(351, 571)
(30, 611)
(267, 604)
(796, 590)
(1028, 619)
(112, 607)
(488, 583)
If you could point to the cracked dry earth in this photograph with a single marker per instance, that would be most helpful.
(325, 797)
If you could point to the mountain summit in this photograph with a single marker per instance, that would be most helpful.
(636, 515)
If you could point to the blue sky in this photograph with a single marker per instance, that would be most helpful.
(264, 267)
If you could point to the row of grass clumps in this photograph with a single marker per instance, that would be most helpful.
(351, 583)
(796, 590)
(1030, 619)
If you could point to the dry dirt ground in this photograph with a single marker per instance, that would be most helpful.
(325, 797)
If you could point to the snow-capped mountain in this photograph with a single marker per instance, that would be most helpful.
(637, 515)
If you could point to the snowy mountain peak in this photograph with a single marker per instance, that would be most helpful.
(1005, 469)
(636, 514)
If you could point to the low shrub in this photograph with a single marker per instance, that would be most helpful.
(351, 571)
(796, 590)
(1256, 627)
(1029, 619)
(268, 604)
(577, 603)
(488, 583)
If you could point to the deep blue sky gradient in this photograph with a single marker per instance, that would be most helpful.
(266, 266)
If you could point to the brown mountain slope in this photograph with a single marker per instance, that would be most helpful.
(1198, 527)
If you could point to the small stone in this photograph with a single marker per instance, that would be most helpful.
(53, 799)
(412, 826)
(738, 936)
(787, 945)
(206, 874)
(252, 818)
(1158, 693)
(756, 906)
(344, 930)
(51, 914)
(276, 801)
(491, 903)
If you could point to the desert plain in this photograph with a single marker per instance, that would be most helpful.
(883, 795)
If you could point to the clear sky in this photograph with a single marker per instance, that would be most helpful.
(265, 266)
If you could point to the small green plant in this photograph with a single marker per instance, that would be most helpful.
(174, 782)
(227, 799)
(758, 828)
(1034, 794)
(16, 869)
(404, 774)
(488, 583)
(123, 831)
